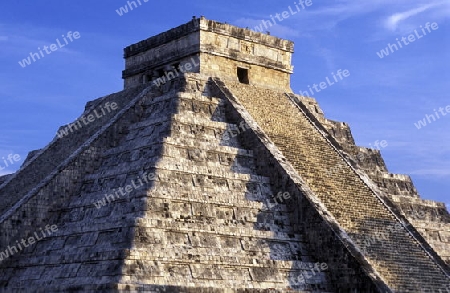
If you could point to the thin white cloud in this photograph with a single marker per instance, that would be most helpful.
(326, 16)
(431, 172)
(329, 57)
(394, 20)
(426, 161)
(23, 39)
(388, 15)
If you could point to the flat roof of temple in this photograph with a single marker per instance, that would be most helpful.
(197, 24)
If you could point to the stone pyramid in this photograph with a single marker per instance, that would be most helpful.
(207, 174)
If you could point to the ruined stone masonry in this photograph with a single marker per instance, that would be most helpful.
(179, 189)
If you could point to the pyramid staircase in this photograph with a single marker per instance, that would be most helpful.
(400, 260)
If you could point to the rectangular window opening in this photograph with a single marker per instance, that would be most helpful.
(242, 74)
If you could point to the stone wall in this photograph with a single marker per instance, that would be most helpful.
(161, 70)
(258, 75)
(225, 47)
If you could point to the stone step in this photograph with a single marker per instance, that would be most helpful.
(232, 147)
(183, 127)
(228, 159)
(181, 166)
(288, 261)
(212, 109)
(191, 96)
(203, 166)
(243, 231)
(179, 143)
(190, 118)
(108, 181)
(199, 97)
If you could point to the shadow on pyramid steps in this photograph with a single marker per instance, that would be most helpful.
(160, 196)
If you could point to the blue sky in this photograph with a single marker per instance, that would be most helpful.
(381, 99)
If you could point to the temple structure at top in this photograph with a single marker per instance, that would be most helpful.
(213, 49)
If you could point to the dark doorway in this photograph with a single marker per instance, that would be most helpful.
(242, 74)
